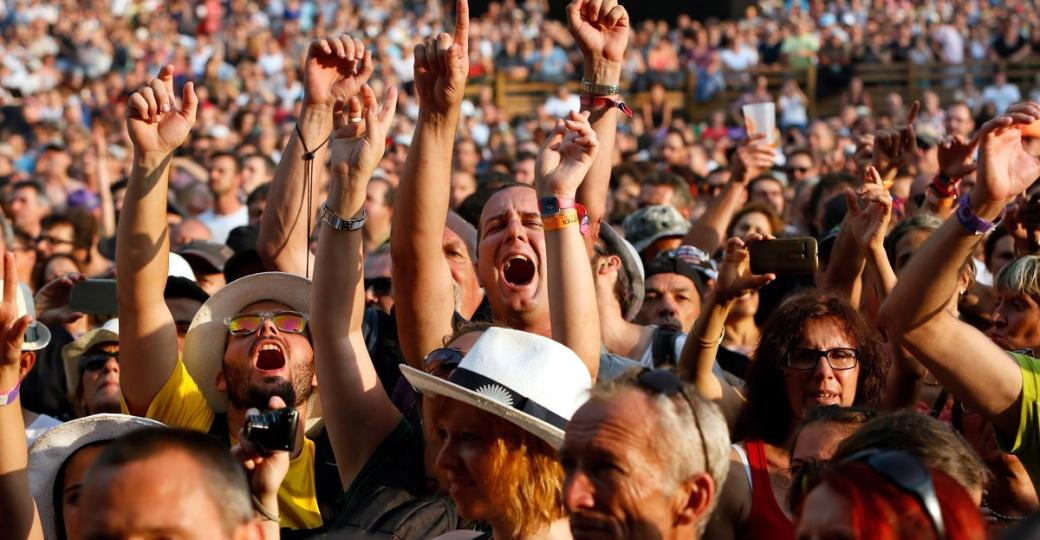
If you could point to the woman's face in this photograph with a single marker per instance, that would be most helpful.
(1016, 322)
(825, 516)
(76, 467)
(807, 389)
(752, 222)
(464, 462)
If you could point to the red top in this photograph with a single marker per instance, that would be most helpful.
(766, 520)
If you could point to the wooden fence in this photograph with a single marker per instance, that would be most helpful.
(517, 97)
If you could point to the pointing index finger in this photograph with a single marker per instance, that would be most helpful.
(912, 115)
(462, 24)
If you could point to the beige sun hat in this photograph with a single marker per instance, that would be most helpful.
(71, 353)
(528, 380)
(207, 335)
(55, 446)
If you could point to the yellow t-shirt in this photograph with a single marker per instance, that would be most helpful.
(181, 404)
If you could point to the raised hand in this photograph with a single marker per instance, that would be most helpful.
(896, 146)
(566, 156)
(957, 156)
(1005, 169)
(335, 70)
(154, 121)
(358, 143)
(735, 278)
(266, 471)
(442, 66)
(752, 158)
(52, 300)
(601, 28)
(12, 327)
(870, 210)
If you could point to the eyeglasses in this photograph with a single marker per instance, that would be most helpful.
(801, 170)
(380, 286)
(909, 475)
(243, 324)
(838, 359)
(96, 361)
(666, 383)
(445, 357)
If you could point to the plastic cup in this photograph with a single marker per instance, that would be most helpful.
(761, 118)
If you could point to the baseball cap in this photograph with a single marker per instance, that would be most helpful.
(652, 223)
(687, 261)
(203, 256)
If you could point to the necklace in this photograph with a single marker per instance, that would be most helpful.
(998, 515)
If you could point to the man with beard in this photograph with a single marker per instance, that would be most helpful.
(249, 341)
(675, 281)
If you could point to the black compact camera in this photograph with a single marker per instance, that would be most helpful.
(273, 430)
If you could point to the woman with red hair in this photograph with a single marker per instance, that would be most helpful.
(886, 495)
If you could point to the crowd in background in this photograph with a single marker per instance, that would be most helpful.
(370, 170)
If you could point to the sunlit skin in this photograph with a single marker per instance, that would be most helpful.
(671, 300)
(511, 226)
(223, 175)
(162, 496)
(242, 353)
(76, 467)
(607, 444)
(433, 442)
(821, 385)
(752, 222)
(1016, 322)
(464, 458)
(101, 387)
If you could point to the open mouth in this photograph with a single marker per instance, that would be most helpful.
(824, 397)
(270, 358)
(518, 270)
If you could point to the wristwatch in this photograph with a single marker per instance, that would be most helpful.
(550, 206)
(971, 221)
(333, 220)
(596, 89)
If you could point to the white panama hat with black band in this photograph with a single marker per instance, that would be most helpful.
(526, 379)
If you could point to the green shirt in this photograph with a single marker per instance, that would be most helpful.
(1026, 445)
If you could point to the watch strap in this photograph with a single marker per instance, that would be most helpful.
(610, 103)
(971, 221)
(550, 206)
(333, 219)
(8, 397)
(596, 89)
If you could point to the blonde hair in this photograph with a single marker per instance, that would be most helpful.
(525, 482)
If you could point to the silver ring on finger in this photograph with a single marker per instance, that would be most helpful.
(355, 120)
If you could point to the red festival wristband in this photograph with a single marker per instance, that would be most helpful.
(601, 101)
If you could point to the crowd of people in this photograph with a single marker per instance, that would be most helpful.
(275, 270)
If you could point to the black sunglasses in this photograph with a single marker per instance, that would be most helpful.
(96, 360)
(908, 474)
(445, 357)
(666, 383)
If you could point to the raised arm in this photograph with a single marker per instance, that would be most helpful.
(424, 299)
(562, 163)
(107, 226)
(358, 413)
(16, 503)
(601, 31)
(701, 348)
(963, 359)
(148, 335)
(751, 159)
(870, 211)
(334, 71)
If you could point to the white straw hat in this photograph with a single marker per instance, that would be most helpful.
(207, 335)
(55, 446)
(37, 335)
(526, 379)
